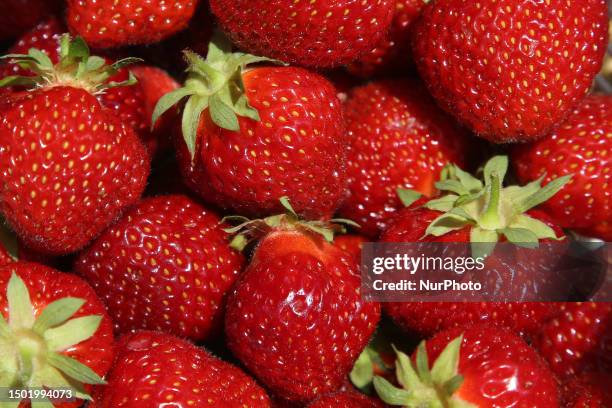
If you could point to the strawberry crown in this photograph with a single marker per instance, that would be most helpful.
(491, 210)
(214, 83)
(248, 230)
(76, 68)
(31, 348)
(423, 386)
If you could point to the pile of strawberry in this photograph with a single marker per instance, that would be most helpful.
(173, 245)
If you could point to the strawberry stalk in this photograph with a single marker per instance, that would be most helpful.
(31, 348)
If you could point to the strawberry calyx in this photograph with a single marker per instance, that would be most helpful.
(491, 210)
(76, 68)
(216, 84)
(422, 385)
(248, 230)
(31, 348)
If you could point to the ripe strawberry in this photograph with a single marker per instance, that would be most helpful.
(399, 138)
(111, 23)
(282, 134)
(589, 390)
(510, 69)
(493, 219)
(21, 15)
(315, 34)
(133, 104)
(166, 265)
(295, 318)
(579, 338)
(345, 399)
(158, 370)
(477, 367)
(69, 165)
(392, 55)
(351, 244)
(581, 147)
(54, 332)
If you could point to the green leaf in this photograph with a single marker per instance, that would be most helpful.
(461, 212)
(94, 63)
(451, 185)
(57, 313)
(422, 364)
(284, 200)
(471, 183)
(407, 196)
(517, 194)
(239, 242)
(539, 228)
(405, 373)
(21, 312)
(191, 120)
(363, 370)
(442, 204)
(78, 49)
(218, 47)
(9, 404)
(499, 165)
(452, 385)
(15, 80)
(325, 232)
(4, 327)
(243, 108)
(72, 332)
(124, 62)
(168, 101)
(74, 369)
(345, 221)
(446, 223)
(40, 57)
(544, 194)
(50, 377)
(391, 394)
(223, 115)
(482, 242)
(521, 237)
(445, 368)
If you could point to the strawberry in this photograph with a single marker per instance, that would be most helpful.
(399, 138)
(19, 16)
(351, 244)
(54, 332)
(280, 134)
(5, 256)
(345, 399)
(476, 367)
(166, 265)
(510, 69)
(133, 104)
(159, 370)
(579, 338)
(310, 33)
(392, 55)
(588, 390)
(295, 318)
(111, 23)
(70, 166)
(581, 147)
(495, 213)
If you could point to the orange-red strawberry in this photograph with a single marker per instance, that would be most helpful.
(166, 265)
(510, 69)
(309, 33)
(345, 399)
(480, 366)
(296, 319)
(19, 16)
(69, 165)
(398, 138)
(154, 370)
(351, 244)
(133, 104)
(112, 23)
(578, 339)
(582, 147)
(54, 332)
(392, 55)
(494, 214)
(250, 138)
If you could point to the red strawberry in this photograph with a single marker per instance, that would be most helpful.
(166, 265)
(158, 370)
(133, 104)
(351, 244)
(392, 55)
(309, 33)
(70, 166)
(295, 318)
(578, 339)
(510, 69)
(21, 15)
(345, 399)
(493, 219)
(582, 147)
(589, 390)
(399, 138)
(112, 23)
(54, 331)
(5, 256)
(477, 367)
(281, 135)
